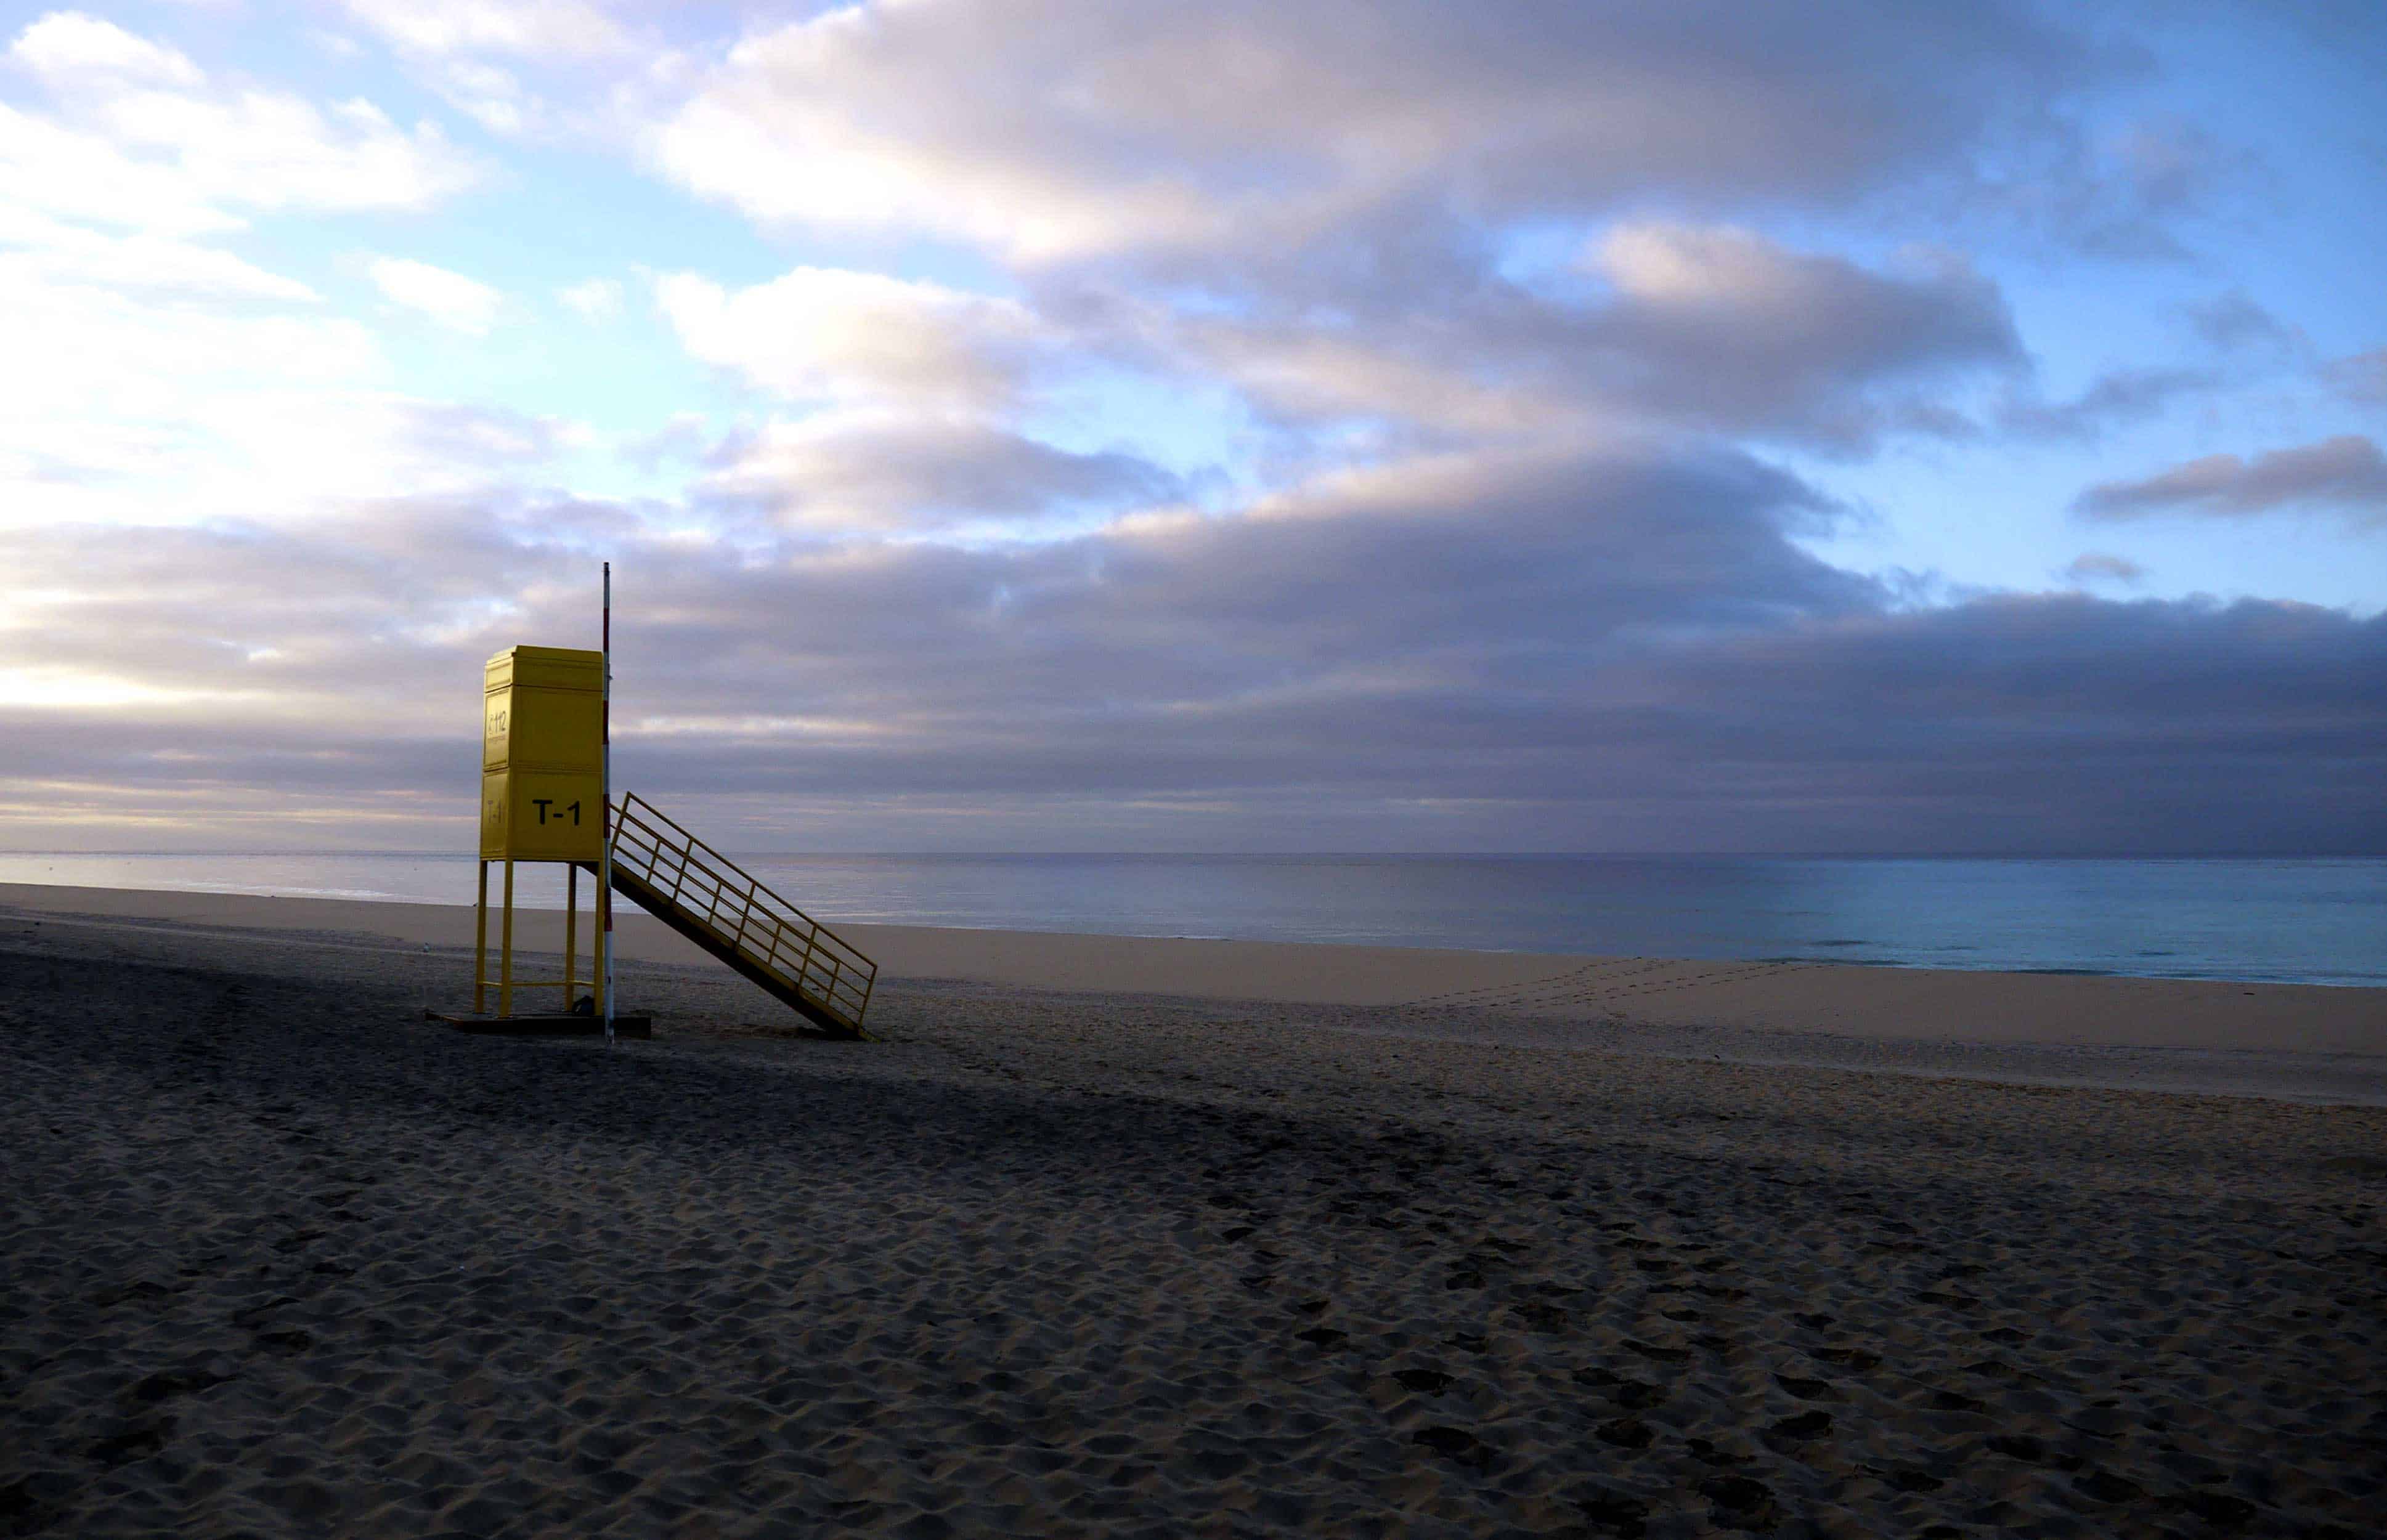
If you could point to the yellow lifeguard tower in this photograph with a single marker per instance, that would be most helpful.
(545, 797)
(543, 800)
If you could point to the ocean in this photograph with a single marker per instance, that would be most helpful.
(2312, 921)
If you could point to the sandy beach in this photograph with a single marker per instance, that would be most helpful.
(1111, 1237)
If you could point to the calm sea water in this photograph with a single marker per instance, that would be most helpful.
(2308, 921)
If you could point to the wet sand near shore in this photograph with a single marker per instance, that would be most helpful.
(2308, 1041)
(282, 1258)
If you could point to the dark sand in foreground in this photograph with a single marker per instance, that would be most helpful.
(281, 1258)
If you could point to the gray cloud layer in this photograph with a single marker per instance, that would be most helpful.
(1626, 650)
(2346, 473)
(1156, 127)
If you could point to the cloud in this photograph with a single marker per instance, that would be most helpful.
(34, 248)
(2059, 723)
(2361, 378)
(140, 140)
(484, 437)
(459, 303)
(2113, 400)
(2346, 473)
(489, 95)
(1049, 129)
(1621, 650)
(68, 44)
(2116, 191)
(1692, 326)
(556, 72)
(685, 436)
(163, 383)
(829, 335)
(594, 300)
(158, 378)
(2097, 566)
(132, 394)
(526, 28)
(886, 470)
(1731, 329)
(2153, 173)
(1162, 622)
(2235, 321)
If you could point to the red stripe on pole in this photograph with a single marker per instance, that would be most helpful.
(605, 797)
(605, 742)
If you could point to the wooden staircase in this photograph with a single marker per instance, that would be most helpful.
(703, 894)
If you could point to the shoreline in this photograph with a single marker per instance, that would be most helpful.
(2305, 1043)
(2318, 932)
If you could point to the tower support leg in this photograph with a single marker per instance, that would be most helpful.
(481, 943)
(571, 926)
(506, 947)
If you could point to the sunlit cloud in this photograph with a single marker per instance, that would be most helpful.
(517, 27)
(841, 337)
(451, 299)
(594, 300)
(137, 137)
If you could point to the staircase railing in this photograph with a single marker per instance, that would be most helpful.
(762, 927)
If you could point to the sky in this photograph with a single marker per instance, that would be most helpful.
(1266, 425)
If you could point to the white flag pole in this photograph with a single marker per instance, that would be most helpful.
(605, 800)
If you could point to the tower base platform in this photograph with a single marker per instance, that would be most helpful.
(559, 1025)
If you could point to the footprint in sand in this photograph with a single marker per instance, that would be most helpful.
(141, 1290)
(1425, 1381)
(1453, 1443)
(167, 1383)
(2107, 1487)
(1616, 1513)
(2218, 1509)
(1992, 1368)
(253, 1314)
(2021, 1447)
(137, 1440)
(1742, 1502)
(1625, 1432)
